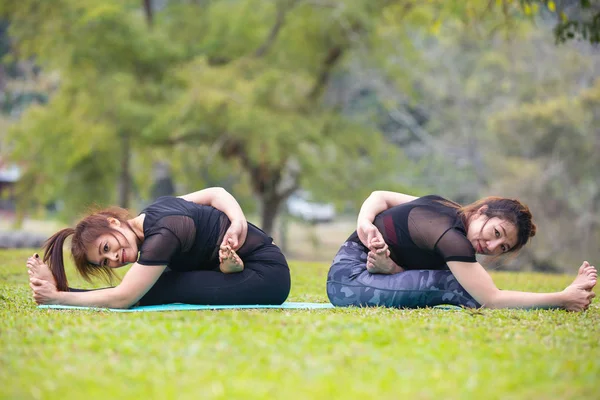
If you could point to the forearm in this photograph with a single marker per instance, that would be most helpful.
(220, 199)
(371, 207)
(513, 299)
(229, 206)
(105, 298)
(378, 202)
(475, 280)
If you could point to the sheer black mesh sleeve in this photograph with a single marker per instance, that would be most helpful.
(454, 246)
(170, 235)
(433, 230)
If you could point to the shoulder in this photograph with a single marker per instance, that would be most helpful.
(157, 213)
(434, 198)
(168, 205)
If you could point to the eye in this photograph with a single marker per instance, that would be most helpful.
(105, 262)
(504, 248)
(496, 232)
(106, 248)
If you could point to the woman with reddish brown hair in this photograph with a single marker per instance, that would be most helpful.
(196, 249)
(413, 252)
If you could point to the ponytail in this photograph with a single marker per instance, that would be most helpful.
(53, 256)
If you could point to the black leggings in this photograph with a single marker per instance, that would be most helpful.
(264, 280)
(350, 284)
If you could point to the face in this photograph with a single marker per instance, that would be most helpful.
(113, 250)
(491, 236)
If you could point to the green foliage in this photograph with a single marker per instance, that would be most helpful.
(245, 87)
(559, 137)
(111, 67)
(575, 20)
(320, 354)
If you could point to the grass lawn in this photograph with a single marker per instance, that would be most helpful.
(330, 354)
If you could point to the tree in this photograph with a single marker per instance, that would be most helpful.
(561, 171)
(575, 19)
(255, 93)
(111, 67)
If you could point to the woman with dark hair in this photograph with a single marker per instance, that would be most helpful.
(413, 252)
(196, 249)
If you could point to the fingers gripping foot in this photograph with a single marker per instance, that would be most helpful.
(379, 262)
(579, 293)
(39, 270)
(230, 261)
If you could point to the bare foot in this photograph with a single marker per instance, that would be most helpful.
(586, 277)
(379, 262)
(230, 261)
(40, 270)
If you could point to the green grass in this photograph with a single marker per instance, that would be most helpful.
(296, 354)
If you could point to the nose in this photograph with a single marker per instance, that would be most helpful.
(493, 245)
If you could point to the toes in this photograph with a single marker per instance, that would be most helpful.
(583, 267)
(382, 250)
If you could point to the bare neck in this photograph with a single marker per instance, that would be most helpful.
(137, 226)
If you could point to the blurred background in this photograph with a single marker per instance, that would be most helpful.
(301, 108)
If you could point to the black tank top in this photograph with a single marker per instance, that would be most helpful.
(424, 234)
(186, 236)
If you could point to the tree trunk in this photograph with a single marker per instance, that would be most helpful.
(148, 12)
(270, 203)
(124, 176)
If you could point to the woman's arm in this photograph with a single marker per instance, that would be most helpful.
(218, 198)
(476, 280)
(376, 203)
(222, 200)
(136, 283)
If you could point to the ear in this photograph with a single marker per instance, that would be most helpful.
(113, 221)
(482, 209)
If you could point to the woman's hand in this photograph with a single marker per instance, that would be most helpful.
(370, 236)
(576, 298)
(236, 234)
(44, 292)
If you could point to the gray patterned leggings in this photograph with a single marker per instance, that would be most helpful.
(350, 284)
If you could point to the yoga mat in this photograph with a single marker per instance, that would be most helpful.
(183, 307)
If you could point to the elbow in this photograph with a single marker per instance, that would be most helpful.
(218, 190)
(375, 196)
(122, 301)
(122, 305)
(491, 299)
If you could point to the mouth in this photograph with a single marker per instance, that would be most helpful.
(123, 261)
(479, 248)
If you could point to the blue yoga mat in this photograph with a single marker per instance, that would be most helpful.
(183, 307)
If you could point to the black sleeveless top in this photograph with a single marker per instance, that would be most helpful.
(424, 234)
(186, 236)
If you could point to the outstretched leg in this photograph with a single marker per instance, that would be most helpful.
(350, 284)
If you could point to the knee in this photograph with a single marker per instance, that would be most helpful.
(342, 295)
(345, 271)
